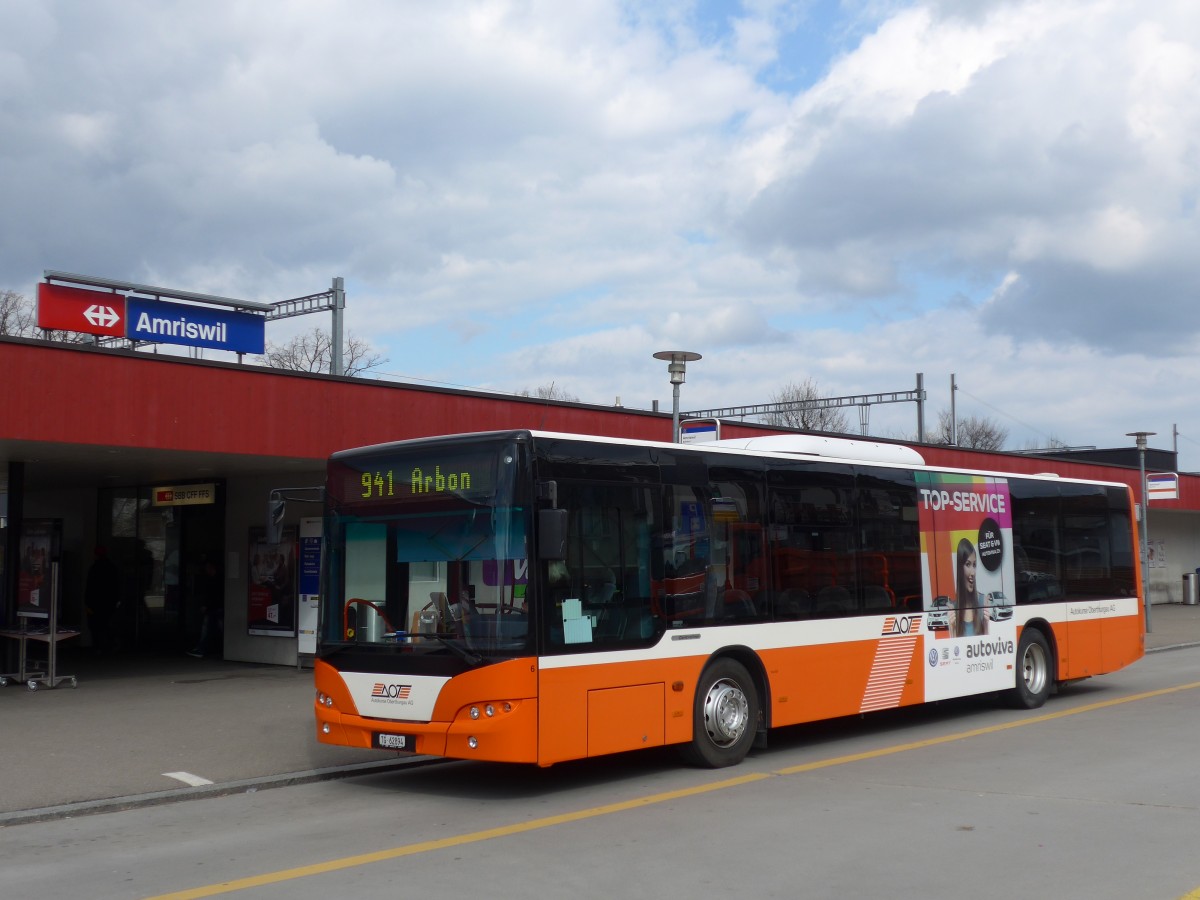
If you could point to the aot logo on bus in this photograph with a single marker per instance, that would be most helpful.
(390, 691)
(901, 625)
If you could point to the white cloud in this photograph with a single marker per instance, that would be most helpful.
(1055, 139)
(526, 192)
(1113, 239)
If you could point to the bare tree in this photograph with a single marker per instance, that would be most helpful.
(18, 318)
(16, 315)
(974, 432)
(806, 412)
(550, 391)
(312, 351)
(1050, 443)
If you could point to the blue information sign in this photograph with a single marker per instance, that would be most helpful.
(310, 564)
(194, 326)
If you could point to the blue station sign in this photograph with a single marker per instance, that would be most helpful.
(194, 326)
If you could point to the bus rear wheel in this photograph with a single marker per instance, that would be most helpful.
(1034, 671)
(725, 716)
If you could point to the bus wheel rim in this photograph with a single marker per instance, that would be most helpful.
(726, 713)
(1034, 668)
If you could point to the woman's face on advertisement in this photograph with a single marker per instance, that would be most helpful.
(969, 572)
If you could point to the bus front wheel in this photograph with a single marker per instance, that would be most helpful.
(1034, 671)
(725, 716)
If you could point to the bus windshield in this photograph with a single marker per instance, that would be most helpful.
(429, 551)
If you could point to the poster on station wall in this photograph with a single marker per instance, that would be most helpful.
(271, 582)
(39, 548)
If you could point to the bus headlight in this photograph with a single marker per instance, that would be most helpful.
(495, 709)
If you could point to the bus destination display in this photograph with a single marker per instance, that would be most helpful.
(421, 479)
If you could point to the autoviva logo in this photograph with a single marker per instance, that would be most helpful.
(998, 647)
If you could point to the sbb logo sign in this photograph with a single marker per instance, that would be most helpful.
(62, 308)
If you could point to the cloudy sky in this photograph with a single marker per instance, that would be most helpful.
(525, 193)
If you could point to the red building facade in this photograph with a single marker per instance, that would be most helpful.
(88, 434)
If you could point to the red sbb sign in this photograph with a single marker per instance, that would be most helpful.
(74, 309)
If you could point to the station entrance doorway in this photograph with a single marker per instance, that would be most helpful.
(162, 550)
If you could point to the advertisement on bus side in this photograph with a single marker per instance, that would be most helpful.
(967, 565)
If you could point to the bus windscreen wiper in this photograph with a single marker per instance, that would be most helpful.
(457, 649)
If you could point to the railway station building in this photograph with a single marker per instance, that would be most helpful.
(164, 466)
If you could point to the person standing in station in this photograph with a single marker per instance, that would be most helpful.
(212, 611)
(101, 598)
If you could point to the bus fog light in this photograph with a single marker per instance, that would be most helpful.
(474, 712)
(472, 742)
(325, 729)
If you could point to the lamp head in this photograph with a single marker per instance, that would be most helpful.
(677, 361)
(1140, 437)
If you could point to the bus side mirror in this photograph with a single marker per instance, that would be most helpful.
(552, 533)
(276, 507)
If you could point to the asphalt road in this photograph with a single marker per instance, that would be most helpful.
(138, 731)
(1095, 796)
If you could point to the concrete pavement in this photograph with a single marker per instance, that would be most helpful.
(150, 730)
(140, 730)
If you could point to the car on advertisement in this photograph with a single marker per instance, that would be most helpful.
(939, 615)
(999, 607)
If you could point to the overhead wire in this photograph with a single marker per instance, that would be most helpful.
(1007, 415)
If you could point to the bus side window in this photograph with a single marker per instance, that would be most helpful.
(1036, 532)
(889, 562)
(608, 566)
(811, 540)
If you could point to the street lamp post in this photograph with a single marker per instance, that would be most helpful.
(677, 361)
(1140, 438)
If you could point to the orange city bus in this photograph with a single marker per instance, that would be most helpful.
(532, 597)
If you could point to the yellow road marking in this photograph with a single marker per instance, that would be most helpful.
(977, 732)
(362, 859)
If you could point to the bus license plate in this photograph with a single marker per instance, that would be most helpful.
(406, 742)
